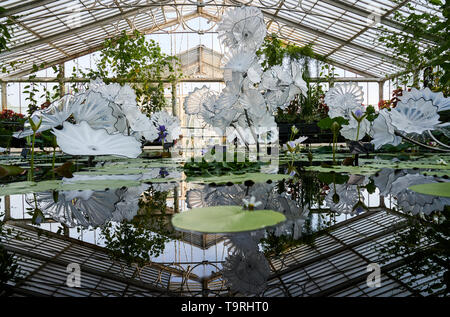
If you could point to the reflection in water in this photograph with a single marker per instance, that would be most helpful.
(267, 194)
(135, 225)
(396, 183)
(88, 208)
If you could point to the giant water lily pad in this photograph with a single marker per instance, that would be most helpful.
(26, 187)
(226, 219)
(435, 189)
(359, 170)
(238, 178)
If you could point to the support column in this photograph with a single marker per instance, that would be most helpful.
(4, 96)
(175, 111)
(7, 208)
(61, 76)
(176, 202)
(380, 90)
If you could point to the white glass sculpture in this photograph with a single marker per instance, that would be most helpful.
(242, 27)
(81, 139)
(342, 99)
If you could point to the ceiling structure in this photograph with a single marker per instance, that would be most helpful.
(344, 31)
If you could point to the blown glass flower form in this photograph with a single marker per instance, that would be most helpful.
(242, 27)
(81, 139)
(244, 242)
(92, 107)
(350, 131)
(239, 60)
(53, 116)
(382, 131)
(342, 99)
(347, 198)
(246, 274)
(253, 101)
(436, 98)
(199, 98)
(415, 116)
(164, 122)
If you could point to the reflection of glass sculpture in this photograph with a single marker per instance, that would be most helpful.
(396, 183)
(345, 199)
(262, 192)
(246, 273)
(89, 208)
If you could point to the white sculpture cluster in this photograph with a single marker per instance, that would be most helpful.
(251, 95)
(107, 121)
(416, 112)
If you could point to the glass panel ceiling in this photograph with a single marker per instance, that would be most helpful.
(53, 32)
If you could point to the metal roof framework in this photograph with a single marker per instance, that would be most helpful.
(344, 31)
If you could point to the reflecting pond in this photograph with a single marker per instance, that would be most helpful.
(113, 217)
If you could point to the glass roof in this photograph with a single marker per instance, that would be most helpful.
(344, 31)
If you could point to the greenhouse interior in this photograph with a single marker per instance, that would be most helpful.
(224, 148)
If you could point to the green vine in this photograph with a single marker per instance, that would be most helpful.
(140, 62)
(433, 59)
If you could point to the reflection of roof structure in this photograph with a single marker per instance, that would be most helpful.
(43, 260)
(202, 241)
(336, 265)
(53, 31)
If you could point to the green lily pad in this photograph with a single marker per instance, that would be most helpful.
(434, 189)
(226, 219)
(238, 178)
(358, 170)
(436, 173)
(34, 187)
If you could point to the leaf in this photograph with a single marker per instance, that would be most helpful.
(226, 219)
(236, 179)
(359, 170)
(332, 177)
(65, 170)
(434, 189)
(10, 170)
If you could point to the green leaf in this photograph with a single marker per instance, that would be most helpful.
(226, 219)
(434, 189)
(236, 179)
(10, 170)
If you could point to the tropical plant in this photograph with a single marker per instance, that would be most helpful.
(131, 58)
(414, 57)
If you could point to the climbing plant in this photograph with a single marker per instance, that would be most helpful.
(434, 58)
(131, 58)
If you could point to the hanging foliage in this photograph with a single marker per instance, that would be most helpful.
(140, 62)
(433, 58)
